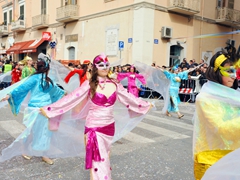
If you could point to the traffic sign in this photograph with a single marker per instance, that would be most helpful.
(155, 41)
(121, 45)
(130, 40)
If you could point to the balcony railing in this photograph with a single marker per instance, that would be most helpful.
(187, 7)
(67, 13)
(18, 25)
(3, 30)
(228, 16)
(40, 21)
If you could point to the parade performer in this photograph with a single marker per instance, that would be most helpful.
(175, 78)
(105, 120)
(41, 91)
(132, 76)
(28, 69)
(216, 121)
(83, 73)
(17, 72)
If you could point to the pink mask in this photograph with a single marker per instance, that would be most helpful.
(103, 65)
(101, 57)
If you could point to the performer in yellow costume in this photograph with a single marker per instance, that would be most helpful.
(217, 118)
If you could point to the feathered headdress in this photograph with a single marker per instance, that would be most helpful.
(229, 52)
(24, 61)
(175, 67)
(45, 58)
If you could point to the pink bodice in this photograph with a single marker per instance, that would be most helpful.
(102, 100)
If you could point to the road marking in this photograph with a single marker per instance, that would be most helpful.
(162, 131)
(13, 127)
(169, 122)
(137, 138)
(186, 113)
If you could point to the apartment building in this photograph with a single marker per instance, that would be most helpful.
(160, 31)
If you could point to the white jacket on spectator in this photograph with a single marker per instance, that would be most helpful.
(197, 84)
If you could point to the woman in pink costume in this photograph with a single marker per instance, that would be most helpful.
(94, 101)
(132, 76)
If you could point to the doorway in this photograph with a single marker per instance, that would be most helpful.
(175, 55)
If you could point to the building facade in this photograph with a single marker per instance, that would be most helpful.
(160, 31)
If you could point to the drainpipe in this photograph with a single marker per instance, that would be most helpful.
(201, 27)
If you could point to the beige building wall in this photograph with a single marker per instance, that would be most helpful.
(101, 26)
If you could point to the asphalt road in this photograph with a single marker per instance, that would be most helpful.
(159, 148)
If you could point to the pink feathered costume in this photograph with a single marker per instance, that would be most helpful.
(132, 88)
(105, 122)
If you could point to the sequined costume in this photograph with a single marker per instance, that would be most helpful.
(27, 71)
(175, 81)
(216, 125)
(105, 122)
(132, 77)
(35, 139)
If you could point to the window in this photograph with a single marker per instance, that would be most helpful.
(21, 17)
(71, 52)
(5, 18)
(43, 7)
(231, 4)
(73, 2)
(10, 16)
(221, 3)
(68, 2)
(225, 3)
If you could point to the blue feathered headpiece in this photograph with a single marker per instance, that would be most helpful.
(175, 67)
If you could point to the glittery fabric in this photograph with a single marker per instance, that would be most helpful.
(217, 120)
(206, 159)
(227, 168)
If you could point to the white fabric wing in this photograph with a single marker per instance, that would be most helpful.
(156, 80)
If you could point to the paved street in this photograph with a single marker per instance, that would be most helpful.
(159, 148)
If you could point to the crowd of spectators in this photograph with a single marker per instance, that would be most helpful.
(196, 78)
(195, 81)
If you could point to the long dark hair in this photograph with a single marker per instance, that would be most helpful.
(43, 68)
(94, 78)
(216, 76)
(84, 68)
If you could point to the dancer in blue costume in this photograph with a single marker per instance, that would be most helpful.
(175, 78)
(41, 91)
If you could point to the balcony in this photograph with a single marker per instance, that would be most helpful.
(67, 13)
(229, 17)
(18, 26)
(3, 30)
(186, 7)
(40, 21)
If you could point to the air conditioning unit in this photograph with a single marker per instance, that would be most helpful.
(166, 32)
(3, 44)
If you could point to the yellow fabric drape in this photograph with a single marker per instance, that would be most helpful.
(205, 159)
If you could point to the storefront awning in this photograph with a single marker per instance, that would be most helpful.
(2, 51)
(16, 47)
(31, 46)
(25, 46)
